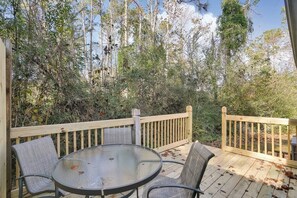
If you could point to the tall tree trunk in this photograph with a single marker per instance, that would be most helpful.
(140, 32)
(91, 43)
(101, 42)
(85, 37)
(108, 52)
(152, 19)
(126, 24)
(171, 14)
(140, 10)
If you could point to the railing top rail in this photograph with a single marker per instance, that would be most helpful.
(163, 117)
(60, 128)
(265, 120)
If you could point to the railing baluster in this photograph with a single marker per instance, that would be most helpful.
(66, 143)
(162, 133)
(159, 134)
(240, 134)
(246, 136)
(294, 151)
(280, 141)
(82, 139)
(89, 138)
(235, 133)
(143, 134)
(259, 148)
(265, 139)
(102, 136)
(230, 123)
(272, 139)
(252, 142)
(155, 134)
(169, 131)
(166, 132)
(148, 135)
(184, 129)
(74, 141)
(178, 129)
(58, 144)
(96, 137)
(289, 142)
(152, 134)
(173, 130)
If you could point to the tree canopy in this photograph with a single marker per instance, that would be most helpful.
(88, 60)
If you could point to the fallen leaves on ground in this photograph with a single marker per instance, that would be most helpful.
(252, 178)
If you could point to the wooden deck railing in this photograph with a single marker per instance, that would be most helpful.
(159, 132)
(259, 137)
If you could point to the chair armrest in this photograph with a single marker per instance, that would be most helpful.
(176, 162)
(35, 175)
(197, 190)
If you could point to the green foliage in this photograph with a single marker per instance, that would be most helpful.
(268, 94)
(233, 26)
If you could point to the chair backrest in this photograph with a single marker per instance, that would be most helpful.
(36, 157)
(122, 135)
(195, 166)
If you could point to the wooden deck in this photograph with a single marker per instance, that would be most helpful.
(232, 175)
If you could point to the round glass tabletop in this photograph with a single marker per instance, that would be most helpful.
(107, 169)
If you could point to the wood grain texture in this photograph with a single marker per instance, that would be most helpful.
(8, 47)
(3, 127)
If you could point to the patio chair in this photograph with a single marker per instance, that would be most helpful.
(122, 135)
(37, 160)
(187, 184)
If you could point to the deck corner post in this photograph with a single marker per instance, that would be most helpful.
(224, 127)
(137, 126)
(3, 139)
(189, 123)
(8, 47)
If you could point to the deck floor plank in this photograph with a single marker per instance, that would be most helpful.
(255, 186)
(238, 173)
(269, 182)
(279, 191)
(243, 181)
(246, 180)
(221, 176)
(293, 184)
(220, 169)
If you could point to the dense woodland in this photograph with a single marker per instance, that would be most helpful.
(83, 60)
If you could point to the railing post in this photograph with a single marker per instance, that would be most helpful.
(137, 126)
(3, 140)
(189, 123)
(8, 116)
(224, 127)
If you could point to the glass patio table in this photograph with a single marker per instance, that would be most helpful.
(106, 169)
